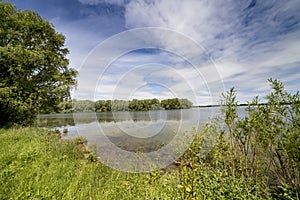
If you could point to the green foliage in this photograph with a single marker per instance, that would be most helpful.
(83, 106)
(103, 106)
(144, 105)
(204, 182)
(122, 105)
(170, 104)
(264, 144)
(65, 106)
(259, 152)
(34, 73)
(119, 105)
(80, 140)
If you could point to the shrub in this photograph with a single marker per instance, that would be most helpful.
(264, 144)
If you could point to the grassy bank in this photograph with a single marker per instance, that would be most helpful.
(36, 164)
(256, 156)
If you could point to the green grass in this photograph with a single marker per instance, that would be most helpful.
(35, 164)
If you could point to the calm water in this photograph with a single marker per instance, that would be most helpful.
(130, 131)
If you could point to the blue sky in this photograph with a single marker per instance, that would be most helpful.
(245, 42)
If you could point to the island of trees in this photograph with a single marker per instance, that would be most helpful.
(70, 106)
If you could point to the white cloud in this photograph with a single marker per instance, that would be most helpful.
(191, 17)
(247, 46)
(96, 2)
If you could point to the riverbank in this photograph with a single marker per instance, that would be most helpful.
(36, 163)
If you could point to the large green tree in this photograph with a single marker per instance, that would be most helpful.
(34, 72)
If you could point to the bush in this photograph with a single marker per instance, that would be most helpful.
(264, 144)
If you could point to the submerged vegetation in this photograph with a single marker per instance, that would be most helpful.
(255, 157)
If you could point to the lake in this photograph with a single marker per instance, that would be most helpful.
(155, 126)
(114, 134)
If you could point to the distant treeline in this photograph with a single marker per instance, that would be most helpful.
(122, 105)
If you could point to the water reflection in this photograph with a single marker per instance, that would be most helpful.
(144, 131)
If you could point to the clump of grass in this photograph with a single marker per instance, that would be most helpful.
(65, 132)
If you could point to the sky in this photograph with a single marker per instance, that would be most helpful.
(192, 49)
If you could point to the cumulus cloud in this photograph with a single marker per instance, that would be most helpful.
(246, 42)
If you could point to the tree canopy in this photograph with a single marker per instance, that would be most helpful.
(34, 71)
(70, 106)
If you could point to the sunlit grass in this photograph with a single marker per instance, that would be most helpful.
(39, 165)
(35, 164)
